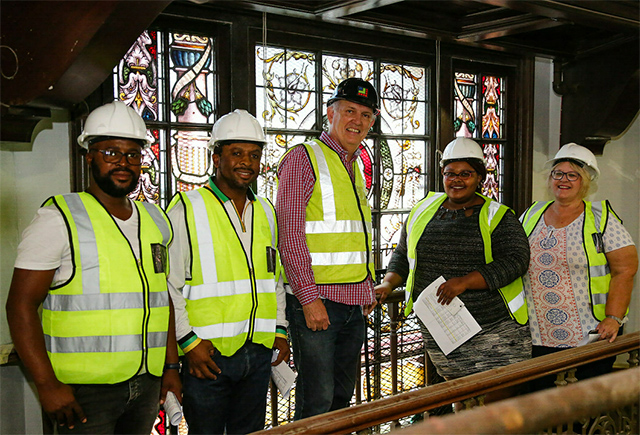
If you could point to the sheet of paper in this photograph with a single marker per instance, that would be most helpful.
(283, 377)
(589, 338)
(450, 325)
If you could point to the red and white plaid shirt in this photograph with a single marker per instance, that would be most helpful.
(295, 186)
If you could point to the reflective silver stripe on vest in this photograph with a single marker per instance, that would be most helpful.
(599, 298)
(596, 208)
(533, 210)
(87, 242)
(104, 301)
(494, 206)
(516, 303)
(328, 200)
(230, 330)
(103, 343)
(159, 220)
(427, 202)
(228, 288)
(270, 217)
(345, 226)
(597, 271)
(336, 258)
(205, 240)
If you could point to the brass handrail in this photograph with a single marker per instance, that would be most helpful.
(553, 407)
(392, 408)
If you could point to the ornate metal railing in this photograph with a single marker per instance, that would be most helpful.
(370, 415)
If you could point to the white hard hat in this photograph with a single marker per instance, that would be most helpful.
(239, 126)
(462, 148)
(114, 119)
(580, 154)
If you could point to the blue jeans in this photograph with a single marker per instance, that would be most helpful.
(236, 401)
(129, 407)
(327, 361)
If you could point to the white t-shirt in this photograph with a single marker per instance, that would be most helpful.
(45, 242)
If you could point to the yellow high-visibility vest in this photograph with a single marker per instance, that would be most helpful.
(491, 214)
(228, 302)
(338, 220)
(596, 215)
(111, 317)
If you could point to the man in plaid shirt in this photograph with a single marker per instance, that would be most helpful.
(324, 221)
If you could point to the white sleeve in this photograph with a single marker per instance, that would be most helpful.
(179, 261)
(281, 300)
(616, 236)
(45, 242)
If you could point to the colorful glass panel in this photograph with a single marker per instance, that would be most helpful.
(152, 171)
(338, 68)
(191, 163)
(491, 107)
(465, 91)
(191, 78)
(402, 99)
(491, 132)
(285, 88)
(493, 182)
(137, 76)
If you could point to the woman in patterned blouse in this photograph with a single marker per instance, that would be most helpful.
(582, 264)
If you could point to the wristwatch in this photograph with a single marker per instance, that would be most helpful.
(618, 319)
(171, 366)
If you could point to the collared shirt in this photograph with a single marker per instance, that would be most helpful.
(295, 186)
(180, 256)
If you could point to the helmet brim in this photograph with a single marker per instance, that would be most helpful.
(362, 101)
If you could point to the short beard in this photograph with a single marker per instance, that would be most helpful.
(108, 186)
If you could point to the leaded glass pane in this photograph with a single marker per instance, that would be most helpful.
(390, 229)
(285, 85)
(338, 68)
(465, 97)
(492, 186)
(191, 164)
(153, 171)
(403, 176)
(277, 145)
(491, 107)
(191, 78)
(402, 99)
(138, 74)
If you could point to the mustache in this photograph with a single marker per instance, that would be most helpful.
(129, 171)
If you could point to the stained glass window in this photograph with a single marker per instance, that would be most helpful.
(177, 68)
(479, 114)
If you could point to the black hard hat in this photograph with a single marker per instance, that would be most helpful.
(357, 91)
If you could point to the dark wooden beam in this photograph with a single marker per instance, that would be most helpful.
(601, 15)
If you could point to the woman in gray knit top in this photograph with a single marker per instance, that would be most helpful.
(451, 245)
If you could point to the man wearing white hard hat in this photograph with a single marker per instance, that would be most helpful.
(105, 354)
(227, 287)
(580, 277)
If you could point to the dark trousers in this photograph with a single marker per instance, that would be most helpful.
(235, 402)
(129, 407)
(326, 361)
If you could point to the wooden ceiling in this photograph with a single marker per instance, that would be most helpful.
(549, 28)
(55, 53)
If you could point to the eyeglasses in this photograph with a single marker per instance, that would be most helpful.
(112, 156)
(571, 176)
(462, 175)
